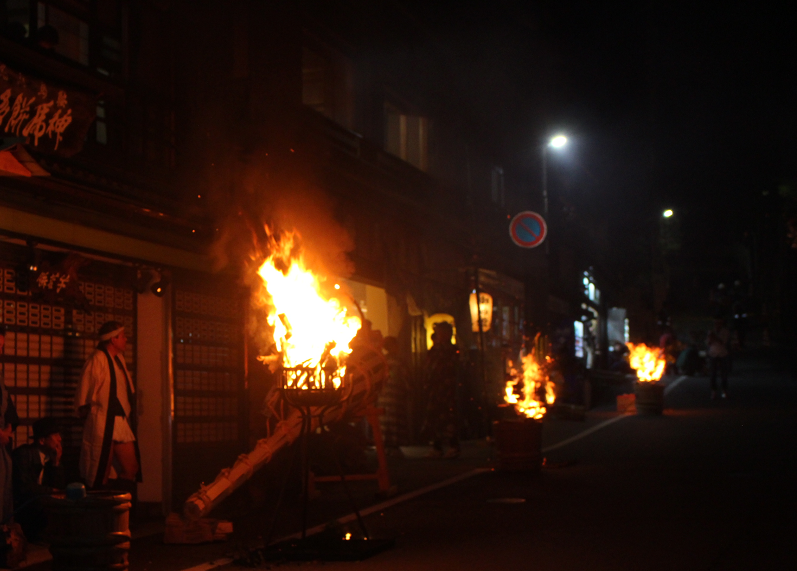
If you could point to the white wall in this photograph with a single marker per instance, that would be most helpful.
(376, 300)
(374, 304)
(152, 347)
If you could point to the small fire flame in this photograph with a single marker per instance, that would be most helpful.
(647, 361)
(534, 379)
(310, 328)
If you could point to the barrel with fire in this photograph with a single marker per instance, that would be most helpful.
(518, 437)
(649, 364)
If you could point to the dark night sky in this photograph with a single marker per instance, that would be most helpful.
(670, 104)
(707, 93)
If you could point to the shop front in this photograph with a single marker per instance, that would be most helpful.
(60, 281)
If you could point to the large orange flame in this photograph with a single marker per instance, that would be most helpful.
(535, 378)
(309, 326)
(647, 361)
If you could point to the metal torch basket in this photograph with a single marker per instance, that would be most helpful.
(308, 387)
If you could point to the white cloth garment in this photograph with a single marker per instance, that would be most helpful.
(93, 390)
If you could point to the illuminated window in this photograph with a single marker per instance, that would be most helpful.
(578, 333)
(406, 136)
(590, 290)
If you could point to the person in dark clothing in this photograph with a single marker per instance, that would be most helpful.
(8, 423)
(393, 399)
(718, 344)
(38, 472)
(442, 377)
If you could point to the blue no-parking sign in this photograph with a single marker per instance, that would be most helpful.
(528, 229)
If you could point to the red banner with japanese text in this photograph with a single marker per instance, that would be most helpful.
(50, 118)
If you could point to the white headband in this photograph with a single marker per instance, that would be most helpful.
(112, 334)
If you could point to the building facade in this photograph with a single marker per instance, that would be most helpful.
(192, 125)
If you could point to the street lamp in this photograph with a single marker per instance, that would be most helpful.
(667, 213)
(558, 141)
(555, 142)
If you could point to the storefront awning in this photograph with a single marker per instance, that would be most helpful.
(68, 233)
(16, 161)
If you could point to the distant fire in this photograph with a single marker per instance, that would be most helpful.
(525, 388)
(648, 362)
(311, 326)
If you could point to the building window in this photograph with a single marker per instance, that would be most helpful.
(110, 55)
(590, 289)
(407, 136)
(497, 191)
(101, 124)
(17, 13)
(72, 39)
(327, 84)
(314, 67)
(578, 333)
(88, 33)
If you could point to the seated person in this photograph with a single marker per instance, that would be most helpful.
(38, 472)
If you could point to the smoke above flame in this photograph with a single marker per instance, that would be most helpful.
(281, 190)
(284, 237)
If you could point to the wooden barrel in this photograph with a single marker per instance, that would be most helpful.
(649, 398)
(90, 534)
(519, 444)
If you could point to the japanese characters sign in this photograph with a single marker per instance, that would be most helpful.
(51, 119)
(59, 283)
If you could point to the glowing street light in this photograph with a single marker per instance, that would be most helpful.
(667, 213)
(555, 142)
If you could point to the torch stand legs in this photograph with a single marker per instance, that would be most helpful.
(303, 448)
(382, 476)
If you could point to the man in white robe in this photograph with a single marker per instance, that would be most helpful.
(105, 400)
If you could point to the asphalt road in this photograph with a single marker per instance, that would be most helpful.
(710, 485)
(707, 486)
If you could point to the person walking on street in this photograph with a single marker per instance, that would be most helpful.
(718, 344)
(105, 400)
